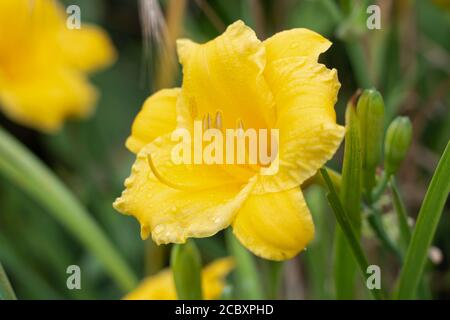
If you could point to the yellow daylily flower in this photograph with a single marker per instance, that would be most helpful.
(277, 83)
(43, 64)
(162, 287)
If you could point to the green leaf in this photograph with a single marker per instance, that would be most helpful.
(348, 230)
(427, 221)
(350, 194)
(33, 177)
(186, 266)
(6, 290)
(32, 283)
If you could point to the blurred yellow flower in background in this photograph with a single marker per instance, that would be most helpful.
(43, 64)
(162, 287)
(277, 83)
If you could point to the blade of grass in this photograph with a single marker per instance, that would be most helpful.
(405, 234)
(34, 178)
(348, 230)
(247, 280)
(427, 221)
(6, 290)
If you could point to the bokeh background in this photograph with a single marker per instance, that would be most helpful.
(408, 60)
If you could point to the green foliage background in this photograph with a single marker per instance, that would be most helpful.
(408, 61)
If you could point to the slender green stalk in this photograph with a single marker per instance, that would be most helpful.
(427, 221)
(6, 290)
(402, 217)
(317, 179)
(379, 189)
(247, 276)
(344, 267)
(34, 178)
(348, 230)
(376, 223)
(274, 276)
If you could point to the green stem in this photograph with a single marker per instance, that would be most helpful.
(247, 276)
(350, 234)
(317, 179)
(6, 290)
(376, 223)
(427, 221)
(379, 188)
(402, 217)
(274, 277)
(34, 178)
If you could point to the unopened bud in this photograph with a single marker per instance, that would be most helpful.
(186, 267)
(370, 110)
(397, 142)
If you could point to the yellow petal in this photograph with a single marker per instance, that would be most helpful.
(274, 226)
(172, 215)
(295, 43)
(88, 48)
(227, 74)
(162, 287)
(44, 101)
(39, 87)
(157, 287)
(188, 176)
(213, 277)
(14, 20)
(305, 94)
(156, 118)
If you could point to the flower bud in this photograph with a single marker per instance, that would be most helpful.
(370, 110)
(186, 267)
(397, 142)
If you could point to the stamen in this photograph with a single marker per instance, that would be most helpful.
(194, 111)
(218, 121)
(207, 122)
(240, 124)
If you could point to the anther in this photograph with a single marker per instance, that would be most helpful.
(218, 120)
(240, 124)
(206, 122)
